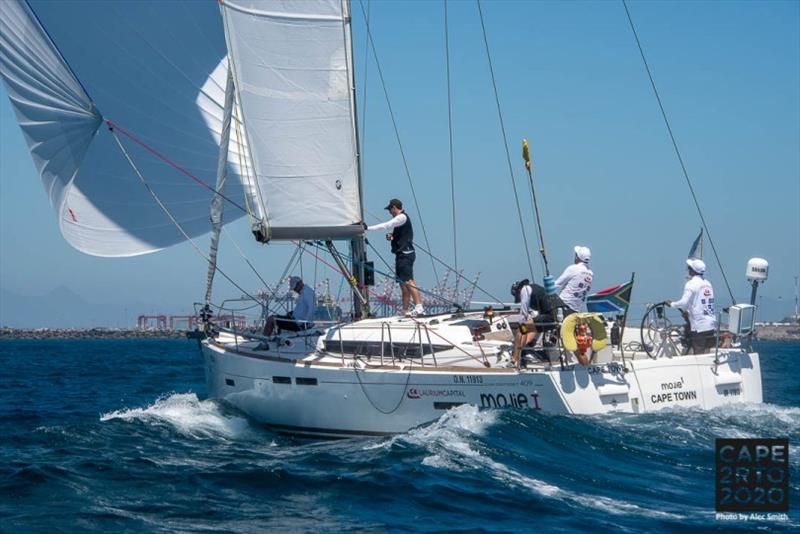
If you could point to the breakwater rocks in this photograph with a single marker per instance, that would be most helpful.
(88, 333)
(778, 332)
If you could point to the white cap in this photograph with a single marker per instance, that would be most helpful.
(696, 265)
(583, 253)
(293, 281)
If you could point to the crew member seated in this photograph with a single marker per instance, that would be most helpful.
(535, 315)
(302, 317)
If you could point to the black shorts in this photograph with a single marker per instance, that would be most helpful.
(703, 342)
(285, 322)
(404, 266)
(544, 322)
(566, 309)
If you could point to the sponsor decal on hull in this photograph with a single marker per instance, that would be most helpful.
(417, 393)
(673, 392)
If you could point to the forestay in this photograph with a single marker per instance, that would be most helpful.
(293, 76)
(156, 69)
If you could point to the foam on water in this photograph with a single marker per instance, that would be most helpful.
(452, 444)
(186, 464)
(188, 415)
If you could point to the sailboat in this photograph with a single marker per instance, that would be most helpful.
(263, 98)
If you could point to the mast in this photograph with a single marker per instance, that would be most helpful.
(216, 200)
(358, 251)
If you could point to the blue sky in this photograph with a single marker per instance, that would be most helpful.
(570, 80)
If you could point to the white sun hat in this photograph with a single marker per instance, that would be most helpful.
(583, 253)
(697, 265)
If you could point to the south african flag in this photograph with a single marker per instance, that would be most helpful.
(615, 299)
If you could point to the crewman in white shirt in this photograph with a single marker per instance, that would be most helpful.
(302, 317)
(575, 282)
(698, 301)
(402, 245)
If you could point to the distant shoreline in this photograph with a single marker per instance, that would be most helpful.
(89, 333)
(763, 333)
(778, 332)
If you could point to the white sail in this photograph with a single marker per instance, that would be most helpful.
(292, 73)
(151, 68)
(57, 116)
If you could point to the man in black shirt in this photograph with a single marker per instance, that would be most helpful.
(535, 315)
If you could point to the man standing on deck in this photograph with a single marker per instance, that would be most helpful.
(402, 243)
(698, 301)
(576, 281)
(302, 317)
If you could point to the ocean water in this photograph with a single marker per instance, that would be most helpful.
(115, 435)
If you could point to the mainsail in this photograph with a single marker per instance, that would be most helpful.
(293, 77)
(153, 68)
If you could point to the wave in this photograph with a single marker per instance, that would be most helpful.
(188, 415)
(454, 443)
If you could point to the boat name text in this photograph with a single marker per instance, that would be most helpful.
(510, 400)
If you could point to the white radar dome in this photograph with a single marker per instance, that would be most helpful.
(757, 270)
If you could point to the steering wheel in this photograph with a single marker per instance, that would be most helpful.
(663, 335)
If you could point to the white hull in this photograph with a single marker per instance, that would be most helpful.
(303, 391)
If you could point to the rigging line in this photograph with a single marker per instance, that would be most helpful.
(339, 292)
(677, 152)
(252, 267)
(441, 261)
(357, 262)
(391, 274)
(169, 214)
(505, 140)
(484, 362)
(114, 127)
(479, 288)
(450, 130)
(397, 136)
(364, 390)
(535, 204)
(381, 257)
(285, 272)
(315, 275)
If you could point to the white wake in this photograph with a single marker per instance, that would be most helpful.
(451, 447)
(188, 415)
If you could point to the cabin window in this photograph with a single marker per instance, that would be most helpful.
(302, 381)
